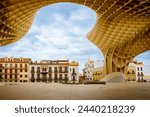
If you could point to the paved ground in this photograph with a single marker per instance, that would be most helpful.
(52, 91)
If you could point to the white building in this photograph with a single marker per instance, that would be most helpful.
(135, 71)
(89, 66)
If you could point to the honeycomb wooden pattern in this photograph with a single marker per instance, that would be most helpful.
(122, 30)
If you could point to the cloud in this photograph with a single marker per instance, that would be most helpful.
(62, 36)
(144, 57)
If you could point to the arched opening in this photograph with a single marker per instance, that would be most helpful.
(58, 32)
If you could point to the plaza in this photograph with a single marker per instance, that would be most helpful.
(57, 91)
(121, 32)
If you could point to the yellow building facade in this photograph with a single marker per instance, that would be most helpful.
(97, 74)
(131, 74)
(14, 69)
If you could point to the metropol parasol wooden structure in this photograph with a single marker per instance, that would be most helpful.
(122, 30)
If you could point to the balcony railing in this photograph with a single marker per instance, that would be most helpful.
(60, 71)
(32, 71)
(44, 72)
(74, 73)
(66, 71)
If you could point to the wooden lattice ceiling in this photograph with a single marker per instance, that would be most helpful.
(122, 30)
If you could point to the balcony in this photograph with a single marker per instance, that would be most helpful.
(32, 71)
(55, 71)
(74, 73)
(38, 71)
(60, 71)
(66, 71)
(44, 72)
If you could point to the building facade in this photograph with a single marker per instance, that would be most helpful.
(24, 70)
(73, 71)
(14, 69)
(90, 65)
(54, 71)
(135, 71)
(97, 73)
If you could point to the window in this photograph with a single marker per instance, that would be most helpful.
(0, 65)
(20, 65)
(66, 69)
(5, 71)
(16, 65)
(25, 70)
(138, 68)
(10, 76)
(20, 70)
(141, 69)
(50, 69)
(73, 70)
(138, 74)
(32, 75)
(26, 66)
(5, 65)
(60, 69)
(50, 75)
(38, 76)
(142, 74)
(55, 68)
(38, 68)
(60, 76)
(55, 75)
(26, 76)
(20, 76)
(66, 75)
(44, 69)
(11, 71)
(132, 72)
(11, 66)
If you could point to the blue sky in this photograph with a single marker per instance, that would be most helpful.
(59, 32)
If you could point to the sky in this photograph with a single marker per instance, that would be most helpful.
(59, 32)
